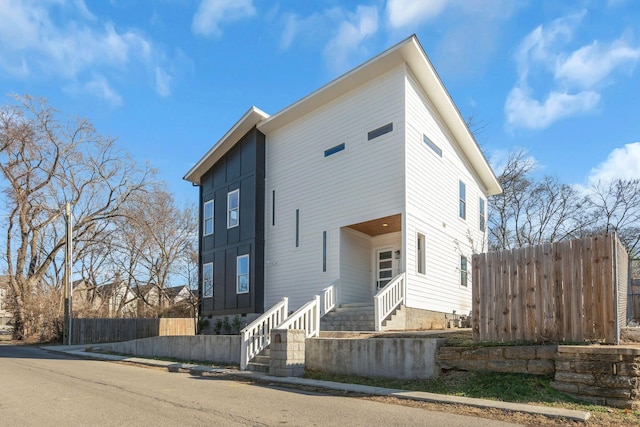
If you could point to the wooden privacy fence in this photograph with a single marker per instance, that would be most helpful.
(571, 291)
(93, 331)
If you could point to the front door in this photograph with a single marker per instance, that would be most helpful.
(384, 267)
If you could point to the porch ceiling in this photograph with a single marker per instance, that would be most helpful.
(376, 227)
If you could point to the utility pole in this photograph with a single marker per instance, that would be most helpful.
(68, 289)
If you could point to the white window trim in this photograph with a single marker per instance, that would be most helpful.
(462, 201)
(465, 272)
(204, 218)
(482, 214)
(421, 257)
(204, 267)
(238, 258)
(229, 210)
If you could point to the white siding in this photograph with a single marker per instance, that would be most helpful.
(362, 182)
(355, 267)
(432, 209)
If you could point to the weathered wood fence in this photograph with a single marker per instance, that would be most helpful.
(571, 291)
(634, 290)
(93, 331)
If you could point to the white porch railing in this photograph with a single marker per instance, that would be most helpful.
(306, 317)
(257, 335)
(329, 298)
(389, 298)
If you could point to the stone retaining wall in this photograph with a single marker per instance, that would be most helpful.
(604, 375)
(518, 359)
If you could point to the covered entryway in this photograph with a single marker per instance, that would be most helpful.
(370, 256)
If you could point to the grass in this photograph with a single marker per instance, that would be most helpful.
(486, 385)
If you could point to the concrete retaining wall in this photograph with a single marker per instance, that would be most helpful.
(205, 348)
(517, 359)
(402, 358)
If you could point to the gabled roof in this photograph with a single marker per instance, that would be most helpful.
(251, 118)
(408, 51)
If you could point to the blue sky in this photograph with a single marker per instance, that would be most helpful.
(168, 78)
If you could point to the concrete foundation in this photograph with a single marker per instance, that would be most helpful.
(407, 318)
(402, 358)
(205, 348)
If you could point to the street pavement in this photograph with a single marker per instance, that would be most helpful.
(261, 406)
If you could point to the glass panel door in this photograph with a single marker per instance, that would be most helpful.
(384, 267)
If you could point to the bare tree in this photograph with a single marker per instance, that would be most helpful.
(45, 162)
(616, 208)
(531, 211)
(153, 238)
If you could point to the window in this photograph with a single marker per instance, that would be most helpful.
(463, 201)
(207, 218)
(421, 254)
(482, 215)
(242, 274)
(233, 209)
(334, 150)
(463, 271)
(297, 228)
(432, 145)
(207, 280)
(380, 131)
(273, 207)
(324, 251)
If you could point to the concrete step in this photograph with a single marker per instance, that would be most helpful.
(356, 305)
(261, 359)
(258, 367)
(349, 317)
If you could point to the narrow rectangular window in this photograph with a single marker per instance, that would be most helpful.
(334, 150)
(380, 131)
(482, 215)
(297, 228)
(421, 254)
(463, 201)
(207, 280)
(463, 271)
(324, 251)
(432, 145)
(207, 218)
(242, 274)
(273, 207)
(233, 208)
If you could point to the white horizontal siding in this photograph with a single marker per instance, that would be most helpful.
(432, 209)
(355, 267)
(362, 182)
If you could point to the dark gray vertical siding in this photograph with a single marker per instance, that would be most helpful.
(243, 167)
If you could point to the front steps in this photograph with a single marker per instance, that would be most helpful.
(349, 317)
(261, 362)
(354, 320)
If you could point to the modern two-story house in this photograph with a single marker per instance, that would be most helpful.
(372, 176)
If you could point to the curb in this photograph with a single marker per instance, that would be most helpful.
(569, 414)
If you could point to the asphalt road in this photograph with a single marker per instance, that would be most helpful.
(38, 388)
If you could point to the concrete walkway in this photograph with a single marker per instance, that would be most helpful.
(80, 351)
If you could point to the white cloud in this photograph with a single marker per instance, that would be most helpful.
(574, 76)
(622, 163)
(163, 82)
(524, 111)
(99, 86)
(591, 64)
(35, 45)
(351, 33)
(407, 13)
(212, 13)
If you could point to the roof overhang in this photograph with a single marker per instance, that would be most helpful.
(251, 118)
(410, 52)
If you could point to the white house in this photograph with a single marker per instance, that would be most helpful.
(371, 177)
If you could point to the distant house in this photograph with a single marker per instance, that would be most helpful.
(5, 312)
(373, 177)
